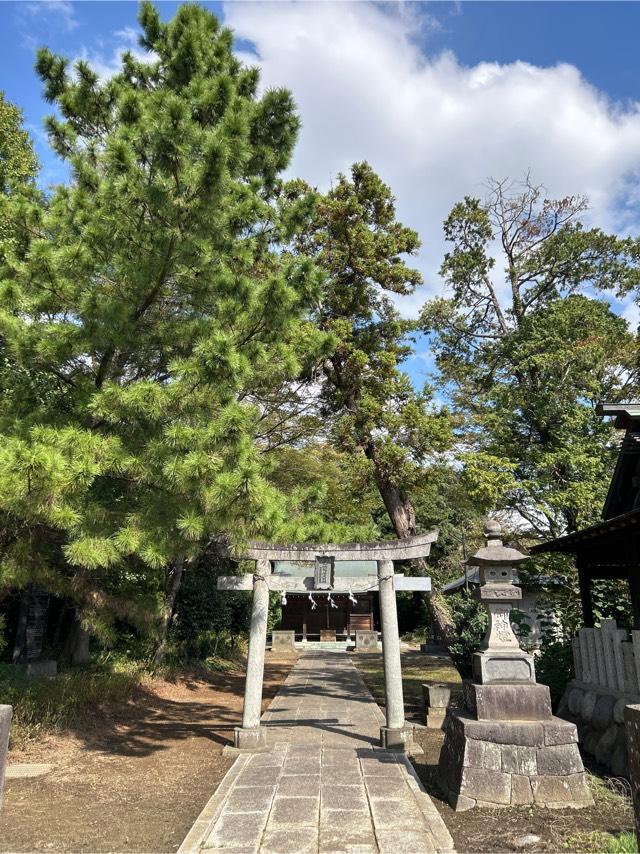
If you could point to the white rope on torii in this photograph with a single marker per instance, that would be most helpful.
(395, 735)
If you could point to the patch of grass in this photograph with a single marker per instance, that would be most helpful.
(607, 843)
(43, 705)
(417, 668)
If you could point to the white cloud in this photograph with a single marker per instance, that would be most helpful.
(434, 129)
(61, 11)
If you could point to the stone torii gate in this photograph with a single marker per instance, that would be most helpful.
(395, 735)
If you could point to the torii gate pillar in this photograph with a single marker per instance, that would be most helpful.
(251, 736)
(395, 735)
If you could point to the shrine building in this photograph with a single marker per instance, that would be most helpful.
(322, 613)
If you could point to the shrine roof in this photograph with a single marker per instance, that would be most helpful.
(606, 532)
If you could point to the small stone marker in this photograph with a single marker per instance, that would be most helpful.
(507, 748)
(436, 699)
(366, 641)
(6, 713)
(283, 642)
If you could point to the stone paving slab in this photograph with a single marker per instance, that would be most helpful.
(325, 786)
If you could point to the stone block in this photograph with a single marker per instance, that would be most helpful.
(589, 701)
(328, 635)
(435, 718)
(503, 667)
(511, 702)
(461, 803)
(521, 733)
(519, 760)
(254, 738)
(366, 641)
(574, 700)
(43, 669)
(606, 743)
(398, 740)
(486, 785)
(632, 729)
(559, 761)
(283, 642)
(558, 731)
(482, 754)
(436, 696)
(6, 713)
(561, 791)
(602, 716)
(521, 793)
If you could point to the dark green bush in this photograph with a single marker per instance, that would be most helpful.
(554, 666)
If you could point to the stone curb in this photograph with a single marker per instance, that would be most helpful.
(443, 842)
(192, 842)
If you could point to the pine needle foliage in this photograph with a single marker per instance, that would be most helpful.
(155, 300)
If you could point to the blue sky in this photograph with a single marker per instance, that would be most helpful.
(437, 96)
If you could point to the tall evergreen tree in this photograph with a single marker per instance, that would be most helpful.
(155, 300)
(391, 432)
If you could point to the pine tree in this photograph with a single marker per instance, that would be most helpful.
(154, 299)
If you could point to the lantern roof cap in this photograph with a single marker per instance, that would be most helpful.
(494, 552)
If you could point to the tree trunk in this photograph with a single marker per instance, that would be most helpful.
(173, 586)
(403, 518)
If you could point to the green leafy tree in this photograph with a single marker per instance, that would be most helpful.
(18, 162)
(392, 433)
(155, 300)
(527, 355)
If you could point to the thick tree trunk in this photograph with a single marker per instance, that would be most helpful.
(173, 586)
(403, 518)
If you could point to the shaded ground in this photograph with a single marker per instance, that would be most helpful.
(134, 776)
(502, 829)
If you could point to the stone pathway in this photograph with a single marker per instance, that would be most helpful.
(325, 786)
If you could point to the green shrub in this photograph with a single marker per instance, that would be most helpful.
(471, 624)
(554, 666)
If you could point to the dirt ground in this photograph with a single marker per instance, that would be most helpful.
(135, 776)
(499, 830)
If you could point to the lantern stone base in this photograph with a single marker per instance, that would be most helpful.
(508, 702)
(254, 738)
(489, 764)
(503, 666)
(399, 740)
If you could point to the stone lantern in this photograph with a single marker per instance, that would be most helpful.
(506, 747)
(500, 658)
